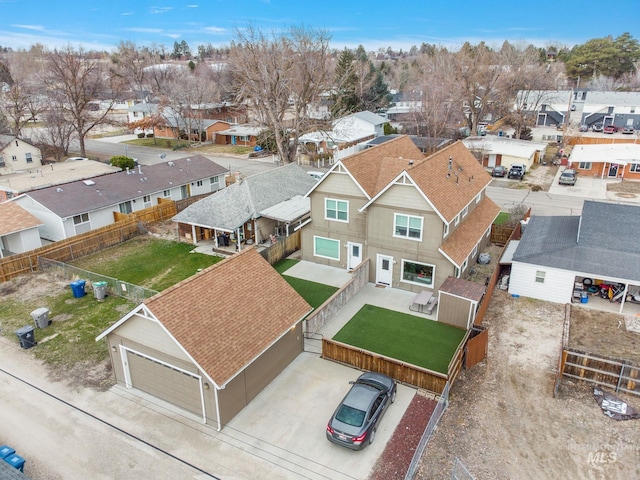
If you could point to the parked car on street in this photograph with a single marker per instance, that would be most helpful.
(517, 170)
(568, 177)
(498, 171)
(627, 130)
(597, 127)
(610, 129)
(353, 424)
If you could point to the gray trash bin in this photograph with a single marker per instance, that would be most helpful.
(100, 290)
(41, 317)
(26, 337)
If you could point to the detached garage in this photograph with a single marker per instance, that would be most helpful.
(211, 343)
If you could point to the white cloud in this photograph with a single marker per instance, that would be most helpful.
(126, 14)
(30, 27)
(160, 10)
(216, 30)
(192, 6)
(144, 30)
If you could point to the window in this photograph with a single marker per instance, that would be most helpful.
(214, 180)
(475, 251)
(456, 272)
(28, 157)
(540, 276)
(146, 200)
(584, 165)
(635, 167)
(79, 219)
(418, 273)
(463, 267)
(336, 210)
(465, 210)
(456, 221)
(125, 207)
(166, 194)
(199, 183)
(407, 226)
(478, 197)
(446, 230)
(326, 248)
(14, 158)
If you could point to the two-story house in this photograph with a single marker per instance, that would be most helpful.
(18, 155)
(417, 219)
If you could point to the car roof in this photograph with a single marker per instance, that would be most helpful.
(361, 396)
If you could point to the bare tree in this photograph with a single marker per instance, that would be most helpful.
(476, 73)
(73, 81)
(130, 63)
(280, 75)
(54, 139)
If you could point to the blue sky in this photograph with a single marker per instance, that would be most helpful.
(374, 24)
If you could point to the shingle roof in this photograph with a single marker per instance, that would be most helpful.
(74, 198)
(603, 241)
(463, 288)
(220, 319)
(14, 218)
(375, 167)
(458, 245)
(232, 206)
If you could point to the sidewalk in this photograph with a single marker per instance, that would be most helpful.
(591, 188)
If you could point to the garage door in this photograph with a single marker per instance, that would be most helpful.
(166, 382)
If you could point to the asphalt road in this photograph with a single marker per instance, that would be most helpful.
(541, 203)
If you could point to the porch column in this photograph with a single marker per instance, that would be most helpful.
(193, 234)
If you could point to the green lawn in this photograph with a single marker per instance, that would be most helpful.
(314, 293)
(502, 218)
(402, 336)
(148, 262)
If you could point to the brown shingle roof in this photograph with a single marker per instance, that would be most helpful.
(463, 288)
(462, 241)
(375, 167)
(228, 314)
(466, 179)
(14, 218)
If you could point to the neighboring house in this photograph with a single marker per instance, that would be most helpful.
(18, 230)
(345, 137)
(139, 111)
(493, 150)
(586, 107)
(18, 155)
(556, 252)
(14, 184)
(232, 113)
(78, 207)
(607, 161)
(211, 354)
(194, 129)
(417, 220)
(244, 135)
(404, 105)
(246, 210)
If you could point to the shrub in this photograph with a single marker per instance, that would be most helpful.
(122, 162)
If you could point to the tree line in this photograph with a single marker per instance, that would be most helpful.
(279, 75)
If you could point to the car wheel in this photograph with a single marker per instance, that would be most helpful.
(372, 436)
(393, 396)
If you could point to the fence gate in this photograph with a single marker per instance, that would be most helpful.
(477, 346)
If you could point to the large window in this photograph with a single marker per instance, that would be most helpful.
(28, 157)
(584, 165)
(336, 210)
(407, 226)
(79, 219)
(125, 207)
(635, 167)
(326, 248)
(418, 273)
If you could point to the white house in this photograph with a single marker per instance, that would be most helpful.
(494, 150)
(18, 230)
(360, 125)
(18, 155)
(77, 207)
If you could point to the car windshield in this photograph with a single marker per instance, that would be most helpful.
(350, 416)
(567, 174)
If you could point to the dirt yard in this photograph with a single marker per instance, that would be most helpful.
(503, 422)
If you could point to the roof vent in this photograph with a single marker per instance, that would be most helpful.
(171, 164)
(410, 162)
(88, 182)
(450, 162)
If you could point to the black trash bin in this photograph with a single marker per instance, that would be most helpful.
(27, 337)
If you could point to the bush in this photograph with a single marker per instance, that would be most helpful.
(123, 162)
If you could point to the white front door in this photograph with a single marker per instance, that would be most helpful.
(354, 255)
(384, 270)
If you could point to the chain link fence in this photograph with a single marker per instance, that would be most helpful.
(460, 472)
(130, 291)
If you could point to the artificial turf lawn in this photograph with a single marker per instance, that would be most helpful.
(408, 338)
(314, 293)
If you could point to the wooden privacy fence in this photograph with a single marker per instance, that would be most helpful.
(282, 249)
(420, 377)
(70, 248)
(165, 210)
